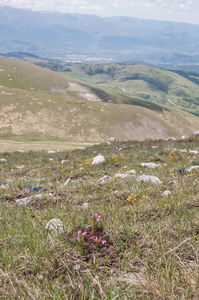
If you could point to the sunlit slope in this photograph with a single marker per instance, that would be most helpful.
(36, 103)
(143, 82)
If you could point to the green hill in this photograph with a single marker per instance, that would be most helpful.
(143, 82)
(37, 103)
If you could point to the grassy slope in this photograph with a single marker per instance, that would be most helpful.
(151, 249)
(38, 103)
(143, 82)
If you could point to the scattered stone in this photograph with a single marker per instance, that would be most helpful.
(183, 137)
(98, 159)
(24, 201)
(103, 179)
(154, 147)
(131, 172)
(54, 224)
(149, 165)
(119, 175)
(63, 162)
(108, 143)
(149, 179)
(171, 139)
(192, 169)
(50, 159)
(183, 150)
(51, 152)
(85, 205)
(166, 194)
(3, 159)
(19, 167)
(173, 181)
(196, 133)
(111, 139)
(193, 152)
(68, 181)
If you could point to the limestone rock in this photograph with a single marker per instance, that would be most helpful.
(111, 139)
(98, 159)
(68, 181)
(3, 159)
(55, 224)
(102, 180)
(149, 165)
(193, 152)
(166, 194)
(192, 169)
(51, 152)
(149, 178)
(131, 172)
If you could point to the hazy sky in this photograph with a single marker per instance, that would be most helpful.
(170, 10)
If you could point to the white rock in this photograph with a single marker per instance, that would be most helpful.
(119, 175)
(166, 194)
(111, 139)
(149, 179)
(131, 172)
(197, 132)
(63, 162)
(171, 138)
(19, 167)
(24, 201)
(3, 159)
(54, 224)
(108, 143)
(183, 137)
(193, 152)
(85, 205)
(173, 181)
(38, 196)
(58, 150)
(51, 152)
(149, 165)
(98, 159)
(102, 180)
(192, 169)
(154, 147)
(68, 181)
(50, 159)
(183, 150)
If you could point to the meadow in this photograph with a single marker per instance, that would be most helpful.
(117, 237)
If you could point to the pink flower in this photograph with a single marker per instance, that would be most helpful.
(78, 239)
(79, 232)
(92, 216)
(96, 214)
(103, 242)
(84, 233)
(98, 218)
(95, 240)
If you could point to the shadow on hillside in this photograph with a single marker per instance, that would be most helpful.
(154, 84)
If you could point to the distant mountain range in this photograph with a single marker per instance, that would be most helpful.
(60, 35)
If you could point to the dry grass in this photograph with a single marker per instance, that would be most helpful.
(151, 249)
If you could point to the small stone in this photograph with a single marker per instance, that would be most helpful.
(192, 169)
(68, 181)
(98, 159)
(85, 205)
(3, 159)
(183, 150)
(131, 172)
(149, 165)
(108, 143)
(102, 180)
(24, 201)
(51, 152)
(63, 162)
(193, 152)
(154, 147)
(119, 175)
(54, 224)
(50, 159)
(196, 133)
(166, 194)
(149, 179)
(111, 139)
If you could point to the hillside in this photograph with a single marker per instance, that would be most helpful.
(37, 103)
(176, 88)
(113, 230)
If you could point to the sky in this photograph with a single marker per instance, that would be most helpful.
(168, 10)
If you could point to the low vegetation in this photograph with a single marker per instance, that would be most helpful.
(120, 239)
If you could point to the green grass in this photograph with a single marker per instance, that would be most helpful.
(151, 249)
(145, 83)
